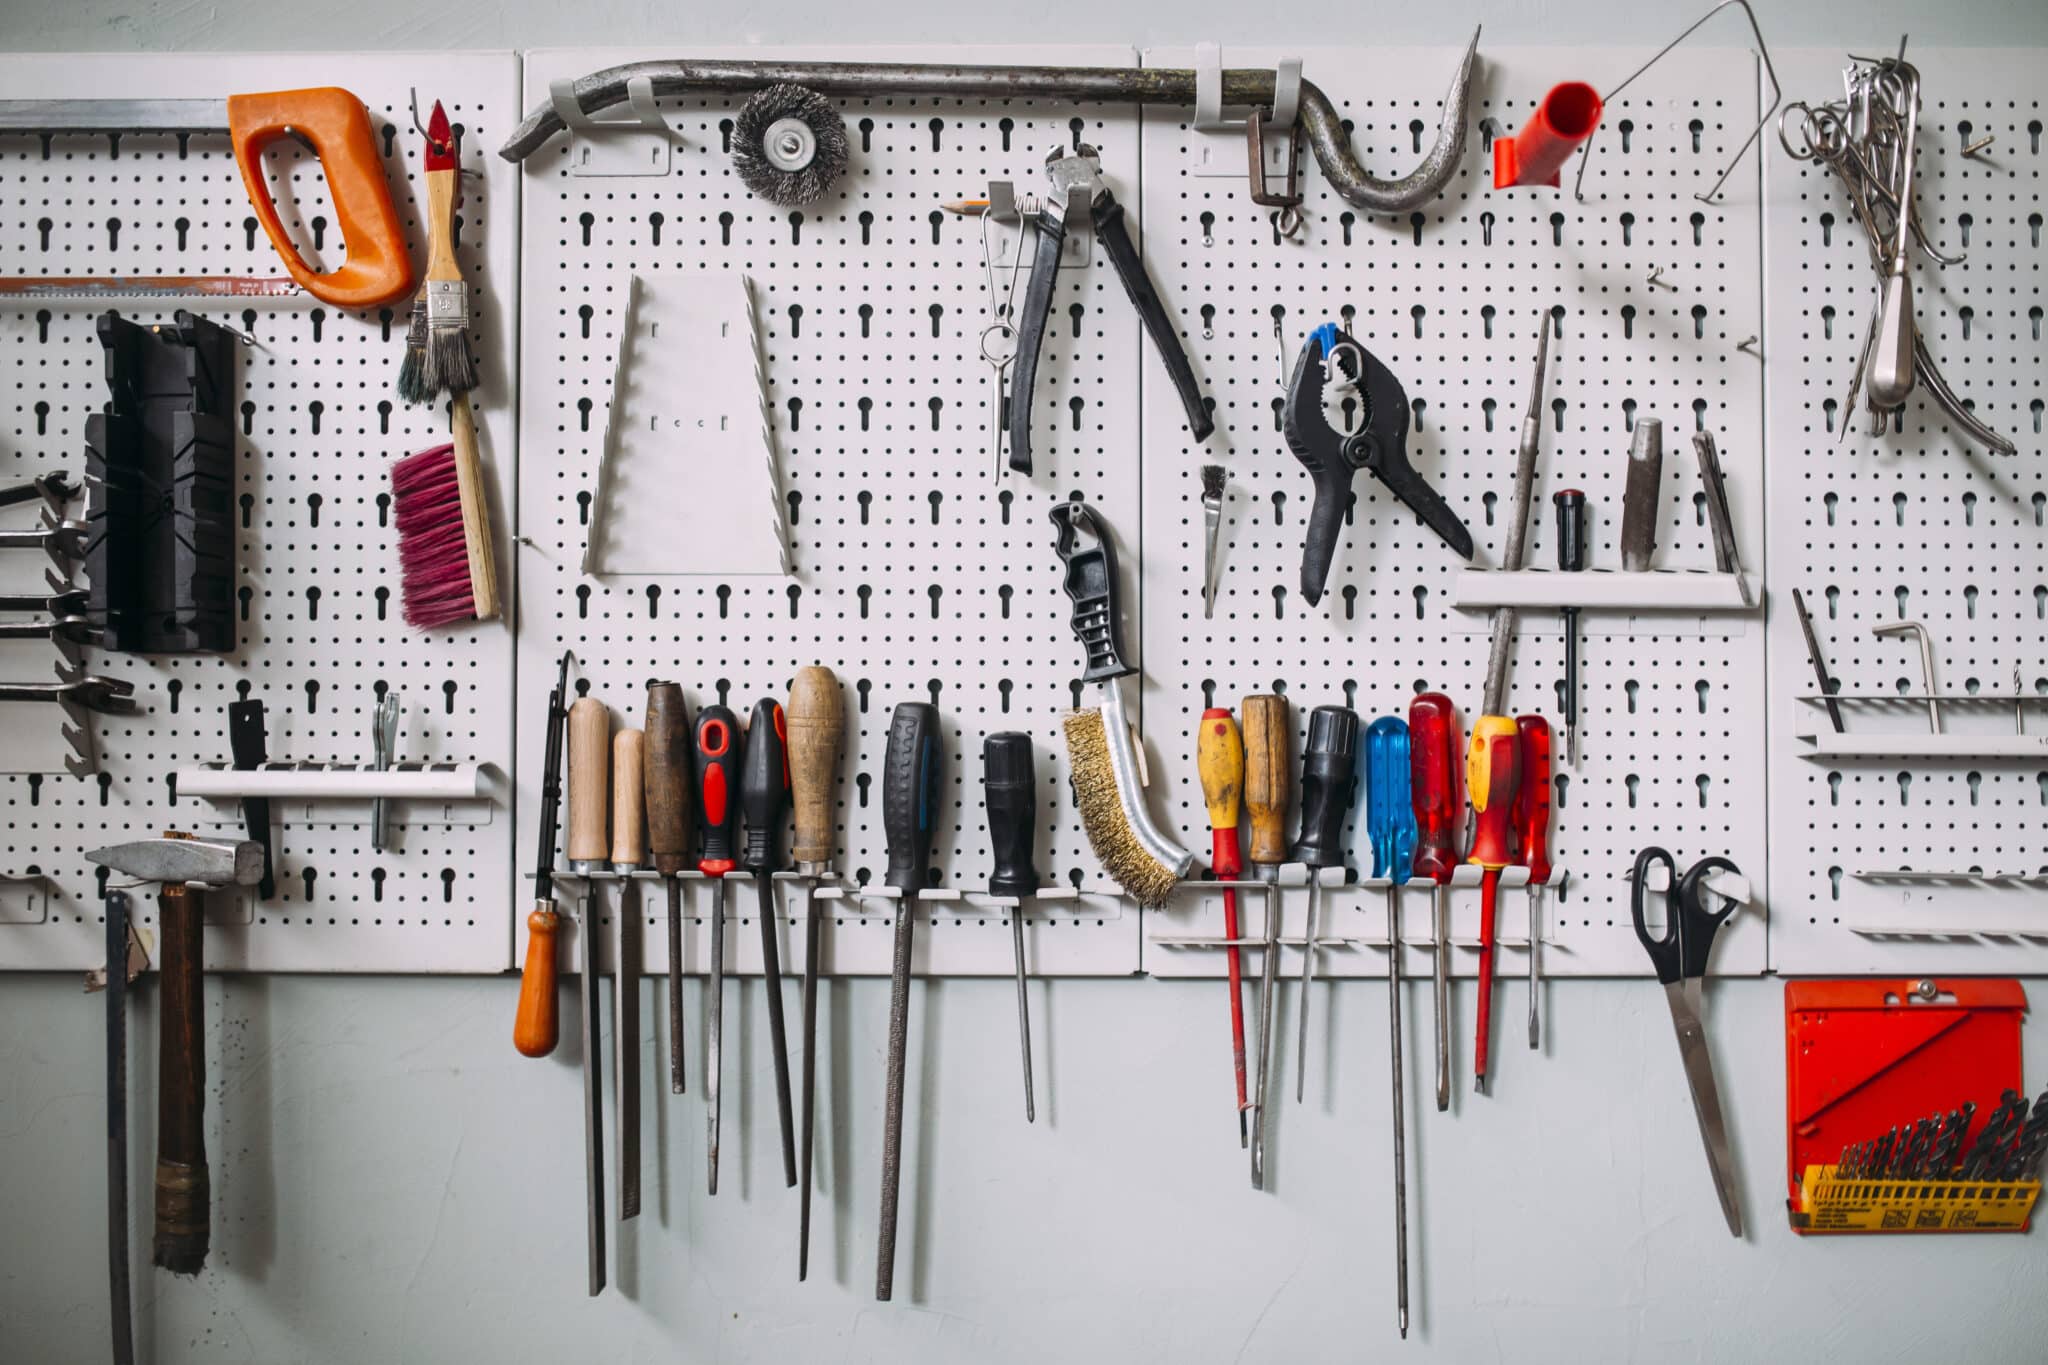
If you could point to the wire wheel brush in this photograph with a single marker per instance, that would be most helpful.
(789, 144)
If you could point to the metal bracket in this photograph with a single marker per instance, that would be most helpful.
(1077, 246)
(641, 145)
(1218, 153)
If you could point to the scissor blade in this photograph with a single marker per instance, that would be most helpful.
(1706, 1098)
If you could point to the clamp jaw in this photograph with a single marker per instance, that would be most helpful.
(1333, 359)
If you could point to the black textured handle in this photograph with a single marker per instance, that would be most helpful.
(1571, 529)
(1664, 949)
(910, 793)
(764, 784)
(1697, 924)
(1010, 788)
(1092, 584)
(1030, 325)
(720, 748)
(1137, 283)
(1325, 527)
(1329, 777)
(248, 742)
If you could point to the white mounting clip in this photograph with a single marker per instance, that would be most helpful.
(1217, 143)
(616, 147)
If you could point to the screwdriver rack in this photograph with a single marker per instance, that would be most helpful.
(920, 578)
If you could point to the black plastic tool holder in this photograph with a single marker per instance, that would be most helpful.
(159, 489)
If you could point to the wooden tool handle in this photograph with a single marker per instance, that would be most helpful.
(1219, 761)
(590, 751)
(183, 1191)
(629, 786)
(1265, 776)
(670, 760)
(536, 1027)
(476, 511)
(441, 191)
(815, 721)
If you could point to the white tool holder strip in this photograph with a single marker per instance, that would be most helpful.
(320, 635)
(917, 577)
(1902, 850)
(1449, 297)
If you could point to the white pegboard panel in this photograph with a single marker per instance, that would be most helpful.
(917, 578)
(317, 561)
(1449, 297)
(1915, 525)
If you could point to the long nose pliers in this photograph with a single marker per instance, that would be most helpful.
(1081, 169)
(1332, 359)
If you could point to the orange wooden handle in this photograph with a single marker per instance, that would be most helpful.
(537, 1026)
(334, 123)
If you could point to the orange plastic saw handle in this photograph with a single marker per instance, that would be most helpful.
(337, 127)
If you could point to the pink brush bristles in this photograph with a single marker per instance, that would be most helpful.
(433, 559)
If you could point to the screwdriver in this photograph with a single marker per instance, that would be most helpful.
(1390, 821)
(629, 849)
(1329, 763)
(668, 838)
(910, 795)
(1571, 558)
(816, 720)
(764, 799)
(1010, 792)
(536, 1026)
(1219, 759)
(1532, 839)
(590, 735)
(1433, 746)
(1265, 802)
(1493, 769)
(719, 750)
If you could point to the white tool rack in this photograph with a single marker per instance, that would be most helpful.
(1900, 847)
(320, 632)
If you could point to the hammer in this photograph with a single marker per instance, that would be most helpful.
(180, 864)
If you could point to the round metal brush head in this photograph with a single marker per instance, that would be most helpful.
(789, 144)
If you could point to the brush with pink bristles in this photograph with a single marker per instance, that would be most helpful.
(446, 572)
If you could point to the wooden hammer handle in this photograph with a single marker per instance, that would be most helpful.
(183, 1190)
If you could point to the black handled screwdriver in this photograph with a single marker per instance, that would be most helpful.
(1329, 776)
(764, 798)
(720, 747)
(910, 796)
(1571, 558)
(1010, 790)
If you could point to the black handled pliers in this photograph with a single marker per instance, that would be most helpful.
(1380, 443)
(1081, 169)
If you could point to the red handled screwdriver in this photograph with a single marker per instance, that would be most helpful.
(719, 749)
(1493, 770)
(1433, 745)
(1532, 836)
(1219, 760)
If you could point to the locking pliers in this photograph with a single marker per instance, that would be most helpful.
(1333, 359)
(1081, 170)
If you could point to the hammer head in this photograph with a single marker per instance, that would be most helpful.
(204, 862)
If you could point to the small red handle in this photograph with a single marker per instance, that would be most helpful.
(1532, 799)
(1493, 771)
(334, 123)
(1536, 154)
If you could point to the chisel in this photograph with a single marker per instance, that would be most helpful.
(629, 851)
(590, 733)
(817, 722)
(764, 800)
(720, 747)
(669, 771)
(910, 794)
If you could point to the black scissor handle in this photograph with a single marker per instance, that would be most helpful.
(1697, 924)
(1666, 952)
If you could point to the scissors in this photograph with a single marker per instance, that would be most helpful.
(1680, 956)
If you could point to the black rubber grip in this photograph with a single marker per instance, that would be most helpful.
(764, 785)
(910, 793)
(1030, 325)
(1329, 776)
(1093, 587)
(1137, 283)
(1010, 788)
(1325, 526)
(721, 749)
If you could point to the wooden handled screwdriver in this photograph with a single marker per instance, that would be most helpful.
(910, 796)
(1219, 761)
(720, 747)
(816, 723)
(1009, 782)
(590, 739)
(1532, 838)
(1493, 770)
(1266, 776)
(537, 1025)
(764, 800)
(629, 853)
(669, 772)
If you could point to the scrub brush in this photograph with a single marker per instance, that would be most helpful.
(447, 572)
(1107, 772)
(789, 144)
(437, 341)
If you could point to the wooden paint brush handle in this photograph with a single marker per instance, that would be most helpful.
(476, 511)
(183, 1190)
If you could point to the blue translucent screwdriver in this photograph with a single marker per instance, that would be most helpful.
(1390, 823)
